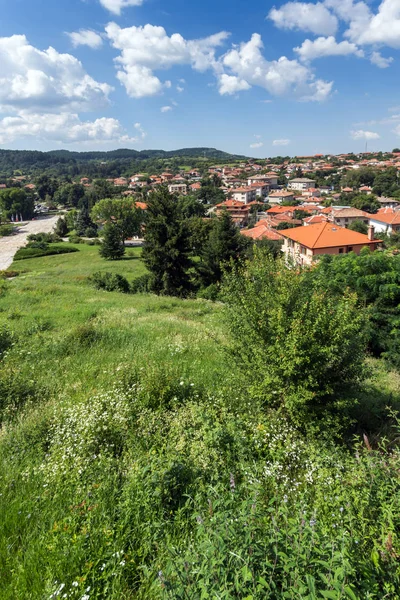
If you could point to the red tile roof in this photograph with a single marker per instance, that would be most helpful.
(327, 235)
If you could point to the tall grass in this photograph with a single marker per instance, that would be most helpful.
(132, 465)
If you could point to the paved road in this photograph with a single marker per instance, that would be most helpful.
(10, 244)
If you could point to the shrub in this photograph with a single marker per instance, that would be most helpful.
(75, 239)
(8, 274)
(111, 282)
(6, 230)
(25, 253)
(142, 284)
(91, 232)
(6, 340)
(300, 346)
(48, 238)
(209, 293)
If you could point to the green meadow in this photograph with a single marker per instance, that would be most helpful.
(133, 465)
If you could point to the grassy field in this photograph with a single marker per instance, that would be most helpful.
(133, 466)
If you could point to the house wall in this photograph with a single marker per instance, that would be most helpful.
(346, 221)
(305, 256)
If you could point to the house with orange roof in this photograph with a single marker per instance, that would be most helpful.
(237, 210)
(280, 196)
(303, 245)
(262, 231)
(386, 221)
(314, 219)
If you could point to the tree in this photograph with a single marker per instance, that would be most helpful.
(359, 226)
(225, 243)
(166, 251)
(299, 346)
(112, 246)
(83, 222)
(366, 202)
(46, 186)
(61, 227)
(120, 212)
(210, 193)
(15, 201)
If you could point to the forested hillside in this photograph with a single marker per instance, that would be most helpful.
(100, 164)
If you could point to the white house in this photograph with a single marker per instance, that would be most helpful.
(245, 195)
(301, 184)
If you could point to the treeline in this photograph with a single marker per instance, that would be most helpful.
(115, 163)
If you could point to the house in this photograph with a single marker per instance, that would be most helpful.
(245, 195)
(325, 189)
(388, 202)
(282, 210)
(387, 221)
(301, 184)
(311, 193)
(304, 244)
(120, 182)
(314, 219)
(345, 216)
(262, 231)
(195, 187)
(257, 179)
(178, 188)
(261, 189)
(280, 196)
(237, 210)
(365, 189)
(347, 190)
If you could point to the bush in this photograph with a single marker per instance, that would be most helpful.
(6, 230)
(111, 282)
(6, 340)
(142, 284)
(301, 347)
(75, 239)
(25, 253)
(91, 232)
(209, 293)
(48, 238)
(8, 274)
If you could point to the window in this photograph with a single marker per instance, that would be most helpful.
(340, 250)
(350, 249)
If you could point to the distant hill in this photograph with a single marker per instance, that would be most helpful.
(66, 163)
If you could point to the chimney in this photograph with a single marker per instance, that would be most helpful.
(371, 233)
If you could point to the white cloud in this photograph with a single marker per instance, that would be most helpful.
(258, 137)
(165, 109)
(281, 142)
(326, 46)
(64, 128)
(86, 37)
(116, 6)
(380, 61)
(45, 80)
(360, 134)
(230, 84)
(257, 145)
(145, 49)
(283, 76)
(305, 17)
(180, 89)
(397, 130)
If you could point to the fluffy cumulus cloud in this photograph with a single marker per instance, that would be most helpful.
(380, 61)
(247, 64)
(360, 134)
(35, 80)
(116, 6)
(230, 84)
(326, 46)
(65, 128)
(165, 109)
(305, 16)
(257, 145)
(145, 49)
(85, 37)
(281, 142)
(363, 26)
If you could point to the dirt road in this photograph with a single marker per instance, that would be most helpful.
(10, 244)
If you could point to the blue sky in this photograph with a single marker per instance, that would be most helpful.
(255, 78)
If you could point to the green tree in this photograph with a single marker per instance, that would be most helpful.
(367, 202)
(112, 247)
(15, 201)
(166, 251)
(120, 212)
(61, 227)
(299, 346)
(83, 222)
(46, 186)
(359, 226)
(225, 243)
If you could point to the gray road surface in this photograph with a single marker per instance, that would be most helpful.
(10, 244)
